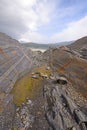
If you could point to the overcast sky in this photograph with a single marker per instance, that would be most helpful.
(44, 21)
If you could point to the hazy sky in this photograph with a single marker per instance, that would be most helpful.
(44, 20)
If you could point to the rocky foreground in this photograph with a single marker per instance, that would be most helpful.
(43, 91)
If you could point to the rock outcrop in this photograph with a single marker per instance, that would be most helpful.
(79, 44)
(15, 61)
(59, 82)
(66, 94)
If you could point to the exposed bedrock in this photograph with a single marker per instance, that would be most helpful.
(15, 61)
(62, 72)
(62, 112)
(66, 91)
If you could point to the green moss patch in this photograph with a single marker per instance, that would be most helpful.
(28, 86)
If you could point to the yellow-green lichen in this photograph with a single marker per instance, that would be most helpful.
(28, 86)
(15, 128)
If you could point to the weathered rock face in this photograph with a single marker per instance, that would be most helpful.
(66, 102)
(63, 97)
(62, 111)
(84, 53)
(72, 67)
(79, 44)
(14, 63)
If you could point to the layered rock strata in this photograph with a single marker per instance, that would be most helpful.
(14, 63)
(66, 91)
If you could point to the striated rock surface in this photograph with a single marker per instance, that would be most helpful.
(14, 63)
(62, 110)
(52, 96)
(79, 44)
(66, 102)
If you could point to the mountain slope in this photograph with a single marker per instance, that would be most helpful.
(66, 91)
(53, 95)
(79, 44)
(45, 46)
(14, 63)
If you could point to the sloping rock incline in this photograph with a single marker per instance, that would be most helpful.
(66, 91)
(79, 44)
(14, 63)
(62, 93)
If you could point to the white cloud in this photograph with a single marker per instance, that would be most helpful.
(20, 16)
(33, 37)
(73, 31)
(22, 19)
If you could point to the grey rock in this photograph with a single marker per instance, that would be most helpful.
(62, 80)
(61, 110)
(14, 63)
(35, 76)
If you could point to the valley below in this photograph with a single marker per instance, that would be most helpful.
(43, 90)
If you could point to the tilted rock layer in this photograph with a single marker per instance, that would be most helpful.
(66, 102)
(14, 63)
(64, 90)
